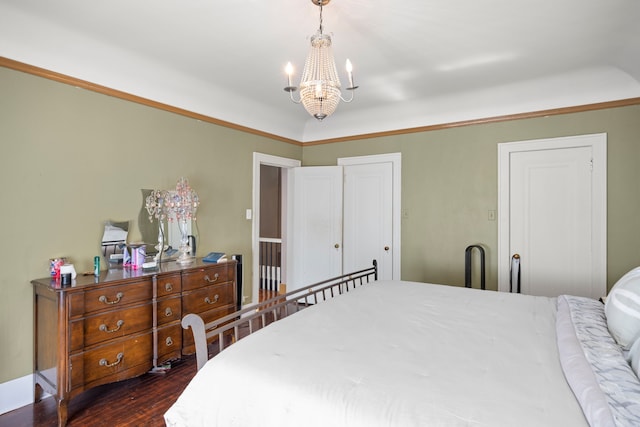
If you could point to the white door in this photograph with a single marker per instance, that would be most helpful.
(368, 213)
(553, 216)
(315, 252)
(329, 234)
(381, 181)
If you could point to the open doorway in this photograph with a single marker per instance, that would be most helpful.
(270, 197)
(270, 231)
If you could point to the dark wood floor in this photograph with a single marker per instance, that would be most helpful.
(139, 401)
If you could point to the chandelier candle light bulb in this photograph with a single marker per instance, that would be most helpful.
(349, 68)
(289, 70)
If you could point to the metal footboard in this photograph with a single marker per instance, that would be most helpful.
(248, 320)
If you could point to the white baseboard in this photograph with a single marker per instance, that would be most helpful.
(16, 393)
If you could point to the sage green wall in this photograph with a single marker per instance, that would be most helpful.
(449, 183)
(72, 159)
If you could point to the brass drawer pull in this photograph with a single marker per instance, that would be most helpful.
(215, 278)
(168, 287)
(168, 342)
(104, 327)
(215, 299)
(104, 362)
(168, 312)
(104, 299)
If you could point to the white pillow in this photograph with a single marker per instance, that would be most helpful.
(622, 309)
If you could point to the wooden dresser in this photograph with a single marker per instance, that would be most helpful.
(122, 324)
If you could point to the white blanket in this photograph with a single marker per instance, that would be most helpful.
(391, 354)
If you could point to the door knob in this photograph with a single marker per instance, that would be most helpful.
(336, 245)
(386, 248)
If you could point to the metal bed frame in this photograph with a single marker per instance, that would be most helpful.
(251, 319)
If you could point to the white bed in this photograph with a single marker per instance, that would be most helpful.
(395, 353)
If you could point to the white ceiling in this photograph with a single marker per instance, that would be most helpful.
(417, 62)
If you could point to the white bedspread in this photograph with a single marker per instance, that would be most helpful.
(392, 354)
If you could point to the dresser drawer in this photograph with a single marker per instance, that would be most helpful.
(169, 343)
(209, 298)
(169, 310)
(169, 285)
(206, 276)
(112, 362)
(110, 325)
(113, 297)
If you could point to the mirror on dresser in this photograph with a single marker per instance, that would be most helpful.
(114, 239)
(149, 230)
(161, 233)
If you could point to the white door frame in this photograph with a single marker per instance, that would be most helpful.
(284, 163)
(598, 143)
(396, 160)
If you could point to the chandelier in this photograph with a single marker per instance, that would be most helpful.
(320, 85)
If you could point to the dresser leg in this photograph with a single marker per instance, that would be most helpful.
(37, 392)
(62, 412)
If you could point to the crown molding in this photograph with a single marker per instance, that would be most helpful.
(62, 78)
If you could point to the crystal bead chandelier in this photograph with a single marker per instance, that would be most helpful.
(320, 85)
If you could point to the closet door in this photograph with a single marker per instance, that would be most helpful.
(368, 215)
(553, 215)
(315, 253)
